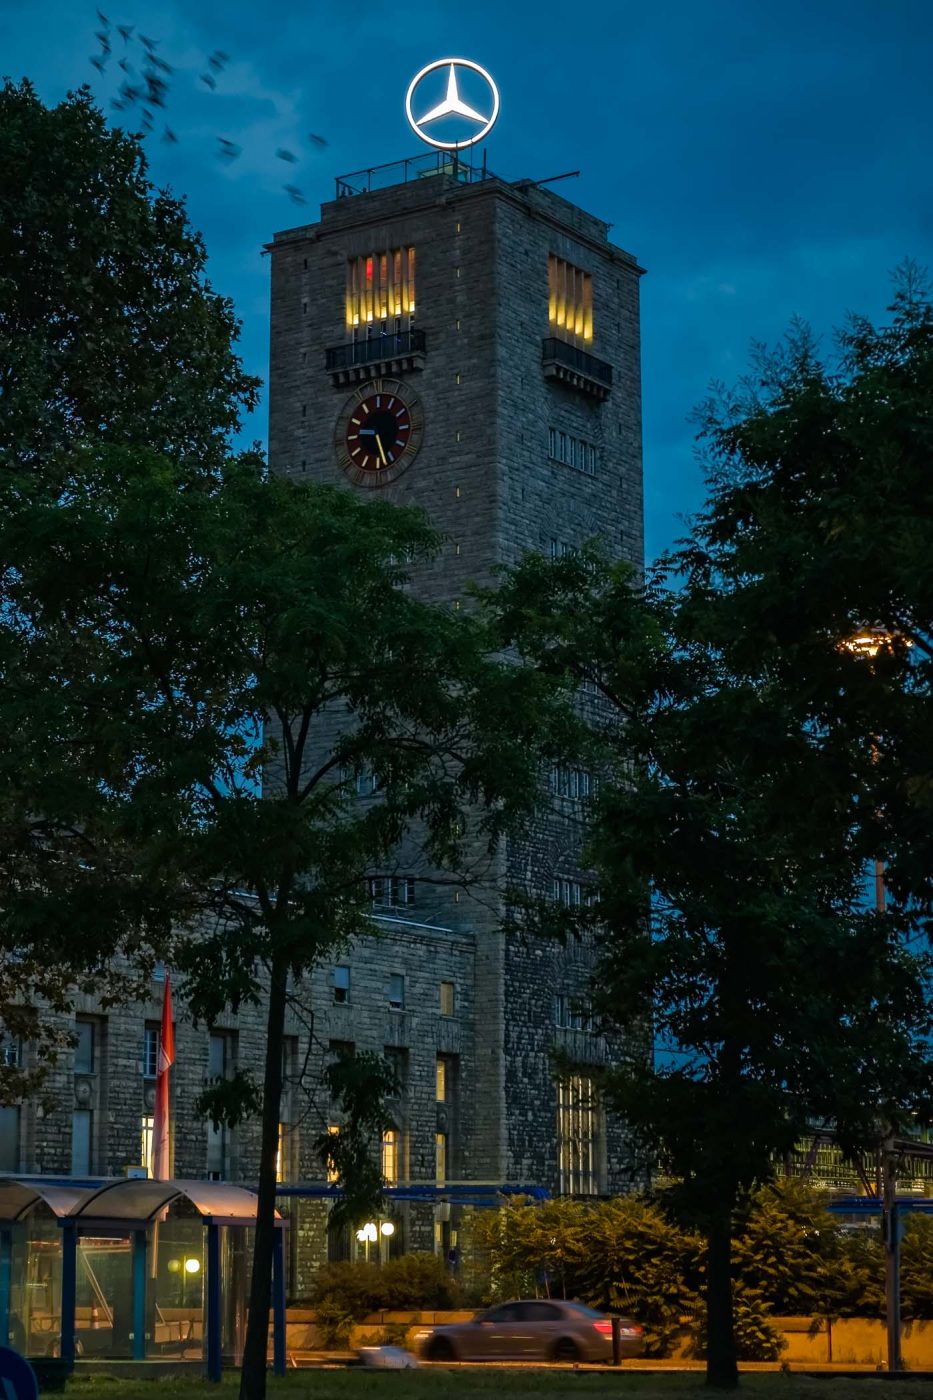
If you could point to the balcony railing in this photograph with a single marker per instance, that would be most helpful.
(376, 350)
(561, 360)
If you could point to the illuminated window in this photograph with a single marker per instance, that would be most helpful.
(282, 1153)
(441, 1080)
(146, 1130)
(332, 1174)
(578, 1115)
(448, 999)
(440, 1159)
(570, 300)
(390, 1154)
(380, 286)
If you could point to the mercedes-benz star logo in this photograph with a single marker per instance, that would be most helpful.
(452, 105)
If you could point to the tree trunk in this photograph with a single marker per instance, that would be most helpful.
(721, 1366)
(255, 1351)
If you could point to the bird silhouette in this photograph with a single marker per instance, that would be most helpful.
(152, 89)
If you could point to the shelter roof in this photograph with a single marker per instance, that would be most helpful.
(18, 1195)
(138, 1200)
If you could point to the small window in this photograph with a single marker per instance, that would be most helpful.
(333, 1176)
(440, 1159)
(448, 999)
(561, 1009)
(441, 1080)
(146, 1131)
(84, 1050)
(9, 1138)
(81, 1121)
(390, 1155)
(151, 1038)
(11, 1052)
(341, 985)
(396, 991)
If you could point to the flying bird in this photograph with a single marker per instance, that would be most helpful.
(125, 65)
(294, 194)
(290, 156)
(124, 31)
(229, 150)
(316, 140)
(217, 60)
(209, 81)
(150, 44)
(103, 19)
(170, 137)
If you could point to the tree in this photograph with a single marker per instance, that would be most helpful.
(109, 334)
(108, 328)
(819, 528)
(241, 648)
(728, 846)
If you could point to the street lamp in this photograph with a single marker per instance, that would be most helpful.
(867, 642)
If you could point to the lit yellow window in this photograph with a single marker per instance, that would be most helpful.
(570, 300)
(440, 1159)
(390, 1157)
(441, 1079)
(380, 285)
(332, 1175)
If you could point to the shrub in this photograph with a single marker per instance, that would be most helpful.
(410, 1282)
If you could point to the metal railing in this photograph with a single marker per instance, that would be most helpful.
(571, 356)
(456, 165)
(378, 347)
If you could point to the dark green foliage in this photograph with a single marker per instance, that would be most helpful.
(622, 1255)
(358, 1085)
(753, 767)
(108, 328)
(408, 1283)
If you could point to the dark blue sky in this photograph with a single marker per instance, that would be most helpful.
(760, 160)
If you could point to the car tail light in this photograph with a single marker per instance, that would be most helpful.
(604, 1327)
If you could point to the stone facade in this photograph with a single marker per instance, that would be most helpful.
(486, 476)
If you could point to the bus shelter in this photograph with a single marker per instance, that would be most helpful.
(133, 1270)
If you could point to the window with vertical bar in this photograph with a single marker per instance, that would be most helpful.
(578, 1115)
(570, 301)
(380, 287)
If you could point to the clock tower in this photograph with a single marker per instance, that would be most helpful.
(448, 339)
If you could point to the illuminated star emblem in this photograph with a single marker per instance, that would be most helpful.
(452, 105)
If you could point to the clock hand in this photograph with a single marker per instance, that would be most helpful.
(382, 454)
(367, 432)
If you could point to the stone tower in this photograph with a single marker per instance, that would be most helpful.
(469, 345)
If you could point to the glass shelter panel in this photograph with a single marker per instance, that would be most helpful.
(35, 1316)
(175, 1303)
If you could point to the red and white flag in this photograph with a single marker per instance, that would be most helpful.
(160, 1126)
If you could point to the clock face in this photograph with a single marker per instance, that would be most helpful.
(379, 432)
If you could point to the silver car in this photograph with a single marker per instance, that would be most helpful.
(535, 1329)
